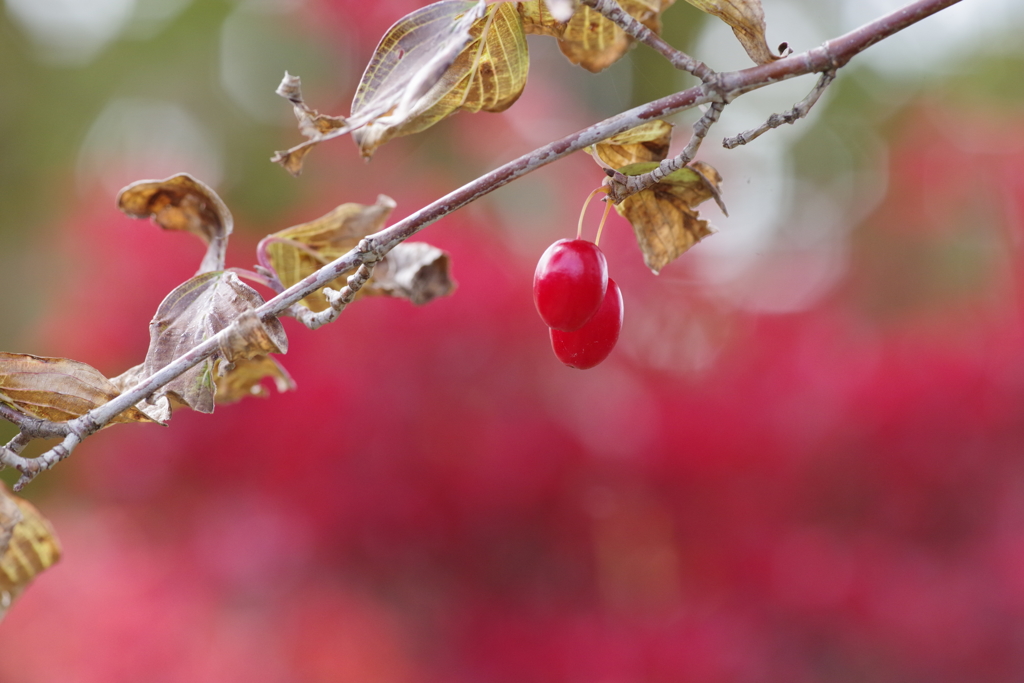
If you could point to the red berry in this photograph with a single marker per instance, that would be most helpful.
(591, 344)
(569, 283)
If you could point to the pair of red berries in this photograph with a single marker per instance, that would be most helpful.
(578, 301)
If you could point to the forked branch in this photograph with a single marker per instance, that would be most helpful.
(798, 112)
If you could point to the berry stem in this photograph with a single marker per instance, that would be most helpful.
(579, 226)
(604, 217)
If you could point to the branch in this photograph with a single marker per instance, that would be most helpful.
(721, 88)
(339, 300)
(622, 186)
(33, 426)
(792, 116)
(826, 59)
(611, 10)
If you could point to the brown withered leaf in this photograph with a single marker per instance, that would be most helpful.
(297, 252)
(450, 56)
(312, 124)
(31, 547)
(746, 17)
(664, 217)
(56, 389)
(246, 379)
(647, 142)
(415, 271)
(157, 409)
(195, 311)
(588, 38)
(183, 203)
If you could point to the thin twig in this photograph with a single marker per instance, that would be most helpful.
(722, 87)
(623, 185)
(33, 426)
(798, 112)
(339, 300)
(611, 10)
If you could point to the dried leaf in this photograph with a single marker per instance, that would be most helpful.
(195, 311)
(664, 217)
(157, 409)
(645, 143)
(436, 61)
(31, 547)
(56, 389)
(415, 271)
(588, 38)
(246, 379)
(183, 203)
(412, 270)
(312, 124)
(299, 251)
(746, 17)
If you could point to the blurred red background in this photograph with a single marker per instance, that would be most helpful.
(767, 480)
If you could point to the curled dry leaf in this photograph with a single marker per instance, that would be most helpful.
(246, 379)
(588, 38)
(746, 17)
(56, 389)
(450, 56)
(195, 311)
(183, 203)
(664, 216)
(415, 271)
(312, 124)
(31, 546)
(647, 142)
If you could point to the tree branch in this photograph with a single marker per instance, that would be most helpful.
(801, 110)
(623, 186)
(611, 10)
(720, 88)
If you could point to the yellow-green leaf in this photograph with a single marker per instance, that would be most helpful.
(246, 379)
(431, 64)
(297, 252)
(645, 143)
(183, 203)
(588, 38)
(56, 389)
(28, 546)
(746, 17)
(412, 270)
